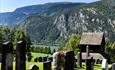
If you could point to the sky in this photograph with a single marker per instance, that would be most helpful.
(11, 5)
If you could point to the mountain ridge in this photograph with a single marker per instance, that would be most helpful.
(23, 12)
(58, 23)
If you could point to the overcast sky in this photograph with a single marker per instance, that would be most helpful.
(11, 5)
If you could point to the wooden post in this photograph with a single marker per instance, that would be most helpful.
(79, 59)
(87, 51)
(21, 55)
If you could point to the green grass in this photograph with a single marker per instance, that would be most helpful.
(34, 55)
(28, 64)
(96, 67)
(32, 62)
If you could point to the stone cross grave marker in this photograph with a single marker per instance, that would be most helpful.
(7, 57)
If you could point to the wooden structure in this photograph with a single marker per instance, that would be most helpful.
(92, 45)
(95, 41)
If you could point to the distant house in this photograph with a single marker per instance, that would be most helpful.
(96, 43)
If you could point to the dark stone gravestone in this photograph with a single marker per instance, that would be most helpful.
(69, 60)
(44, 59)
(50, 59)
(28, 57)
(7, 57)
(79, 60)
(21, 55)
(35, 59)
(89, 63)
(47, 66)
(92, 63)
(33, 67)
(40, 59)
(113, 66)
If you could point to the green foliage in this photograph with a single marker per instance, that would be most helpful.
(72, 44)
(110, 50)
(12, 34)
(46, 50)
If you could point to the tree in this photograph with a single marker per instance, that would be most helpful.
(72, 44)
(110, 50)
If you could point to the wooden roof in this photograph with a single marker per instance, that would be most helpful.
(91, 38)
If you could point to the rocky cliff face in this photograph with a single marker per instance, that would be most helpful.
(94, 17)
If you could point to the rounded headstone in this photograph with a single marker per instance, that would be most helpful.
(40, 59)
(33, 67)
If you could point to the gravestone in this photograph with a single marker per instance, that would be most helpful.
(113, 66)
(7, 57)
(44, 59)
(89, 63)
(36, 59)
(69, 60)
(58, 61)
(47, 65)
(21, 55)
(92, 63)
(79, 60)
(40, 59)
(33, 67)
(104, 64)
(50, 59)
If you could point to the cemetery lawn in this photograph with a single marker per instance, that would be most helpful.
(40, 64)
(34, 55)
(96, 67)
(28, 64)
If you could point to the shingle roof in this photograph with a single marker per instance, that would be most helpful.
(91, 38)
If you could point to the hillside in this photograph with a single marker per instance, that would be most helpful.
(53, 23)
(92, 17)
(15, 17)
